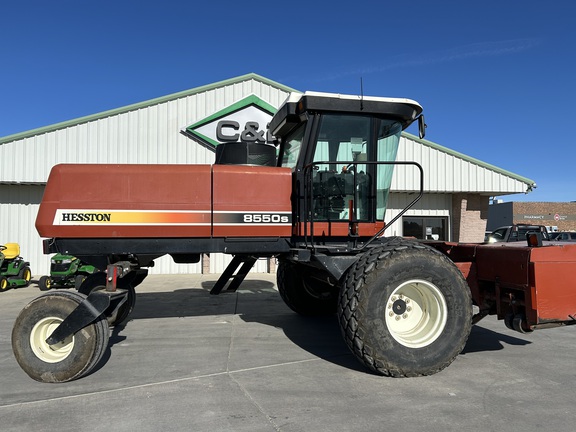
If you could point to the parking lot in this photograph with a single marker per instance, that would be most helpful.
(189, 361)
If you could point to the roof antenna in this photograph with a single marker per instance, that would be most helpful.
(361, 94)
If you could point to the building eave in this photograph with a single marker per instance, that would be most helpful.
(530, 184)
(140, 105)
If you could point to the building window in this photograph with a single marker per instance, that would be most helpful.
(425, 228)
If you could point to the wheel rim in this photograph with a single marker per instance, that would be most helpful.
(49, 353)
(27, 275)
(3, 283)
(416, 313)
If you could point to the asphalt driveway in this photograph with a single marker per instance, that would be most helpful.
(189, 361)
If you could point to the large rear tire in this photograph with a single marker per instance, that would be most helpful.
(405, 309)
(303, 292)
(68, 360)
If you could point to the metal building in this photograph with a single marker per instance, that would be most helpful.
(182, 128)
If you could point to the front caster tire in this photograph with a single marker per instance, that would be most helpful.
(405, 310)
(68, 360)
(304, 293)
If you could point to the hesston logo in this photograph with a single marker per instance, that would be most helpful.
(86, 217)
(131, 217)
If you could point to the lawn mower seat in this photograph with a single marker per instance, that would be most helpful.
(12, 250)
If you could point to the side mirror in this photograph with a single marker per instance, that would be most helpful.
(421, 127)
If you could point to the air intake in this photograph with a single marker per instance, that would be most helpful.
(244, 153)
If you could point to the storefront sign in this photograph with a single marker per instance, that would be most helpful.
(535, 218)
(245, 121)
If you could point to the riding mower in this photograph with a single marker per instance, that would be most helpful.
(14, 271)
(66, 271)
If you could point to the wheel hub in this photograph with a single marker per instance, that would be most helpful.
(399, 307)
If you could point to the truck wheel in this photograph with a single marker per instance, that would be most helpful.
(44, 283)
(405, 310)
(26, 274)
(97, 281)
(68, 360)
(302, 293)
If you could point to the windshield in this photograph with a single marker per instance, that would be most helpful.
(292, 146)
(344, 186)
(388, 140)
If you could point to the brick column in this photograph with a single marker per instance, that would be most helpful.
(272, 264)
(469, 217)
(205, 263)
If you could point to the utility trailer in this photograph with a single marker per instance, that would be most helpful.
(405, 307)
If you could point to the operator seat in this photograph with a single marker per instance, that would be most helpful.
(12, 250)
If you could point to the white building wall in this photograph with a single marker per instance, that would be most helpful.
(218, 263)
(18, 208)
(448, 171)
(429, 205)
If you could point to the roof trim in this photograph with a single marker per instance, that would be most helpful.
(529, 182)
(144, 104)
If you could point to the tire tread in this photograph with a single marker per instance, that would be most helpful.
(352, 301)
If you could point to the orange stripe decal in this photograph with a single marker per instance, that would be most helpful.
(131, 217)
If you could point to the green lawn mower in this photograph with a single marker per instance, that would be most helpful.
(14, 271)
(66, 271)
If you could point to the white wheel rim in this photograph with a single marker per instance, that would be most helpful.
(49, 353)
(416, 313)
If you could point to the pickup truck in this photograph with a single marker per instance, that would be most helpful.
(517, 232)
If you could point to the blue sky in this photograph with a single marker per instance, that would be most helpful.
(496, 78)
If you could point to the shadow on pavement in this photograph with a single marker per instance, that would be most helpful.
(482, 339)
(258, 302)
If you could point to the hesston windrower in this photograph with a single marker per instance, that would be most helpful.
(405, 306)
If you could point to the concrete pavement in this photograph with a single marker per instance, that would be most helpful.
(189, 361)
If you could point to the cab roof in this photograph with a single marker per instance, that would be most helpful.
(292, 111)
